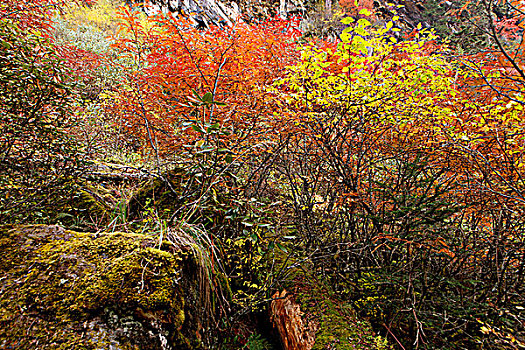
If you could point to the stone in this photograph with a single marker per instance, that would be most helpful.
(62, 289)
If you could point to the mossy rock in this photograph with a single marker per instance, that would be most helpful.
(159, 194)
(93, 202)
(68, 290)
(78, 204)
(174, 195)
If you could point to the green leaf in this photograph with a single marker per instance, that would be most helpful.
(197, 96)
(208, 97)
(214, 127)
(281, 247)
(361, 31)
(197, 128)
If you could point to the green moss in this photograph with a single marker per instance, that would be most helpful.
(96, 201)
(337, 324)
(158, 194)
(224, 285)
(64, 289)
(166, 198)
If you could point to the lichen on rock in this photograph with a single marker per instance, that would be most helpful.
(62, 289)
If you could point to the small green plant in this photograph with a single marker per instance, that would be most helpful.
(257, 342)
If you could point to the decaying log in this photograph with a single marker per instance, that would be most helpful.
(295, 332)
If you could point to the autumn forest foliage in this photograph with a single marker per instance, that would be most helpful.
(388, 159)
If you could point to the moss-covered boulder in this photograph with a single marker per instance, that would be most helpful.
(179, 194)
(161, 195)
(61, 289)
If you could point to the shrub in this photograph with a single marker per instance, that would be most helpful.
(407, 194)
(38, 158)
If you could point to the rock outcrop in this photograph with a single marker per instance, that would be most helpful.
(216, 12)
(61, 289)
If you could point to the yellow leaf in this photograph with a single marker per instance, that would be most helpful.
(365, 12)
(485, 330)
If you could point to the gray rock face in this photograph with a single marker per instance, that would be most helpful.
(216, 12)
